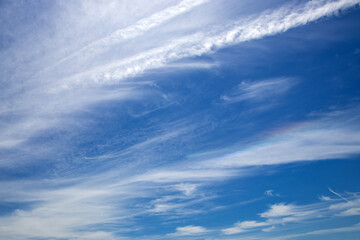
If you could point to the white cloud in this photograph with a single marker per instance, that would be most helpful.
(49, 96)
(136, 29)
(101, 193)
(349, 208)
(280, 214)
(57, 212)
(278, 210)
(174, 206)
(187, 188)
(96, 198)
(337, 194)
(326, 138)
(201, 43)
(184, 175)
(271, 193)
(189, 230)
(324, 198)
(259, 90)
(354, 228)
(268, 229)
(39, 99)
(350, 212)
(240, 227)
(62, 208)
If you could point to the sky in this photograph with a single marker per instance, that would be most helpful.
(180, 119)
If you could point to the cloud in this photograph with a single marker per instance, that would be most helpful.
(185, 175)
(38, 98)
(186, 188)
(171, 190)
(174, 206)
(48, 96)
(351, 212)
(268, 229)
(39, 110)
(240, 227)
(189, 230)
(309, 141)
(200, 43)
(337, 194)
(57, 212)
(278, 210)
(136, 29)
(259, 90)
(280, 214)
(354, 228)
(324, 198)
(271, 193)
(62, 207)
(349, 208)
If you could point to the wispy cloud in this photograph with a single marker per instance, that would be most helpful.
(135, 30)
(54, 96)
(39, 99)
(313, 140)
(172, 190)
(56, 212)
(350, 208)
(200, 43)
(354, 228)
(271, 193)
(240, 227)
(280, 214)
(337, 194)
(47, 93)
(259, 90)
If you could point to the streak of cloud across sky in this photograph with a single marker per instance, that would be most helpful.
(180, 119)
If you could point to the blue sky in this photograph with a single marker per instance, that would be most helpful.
(192, 119)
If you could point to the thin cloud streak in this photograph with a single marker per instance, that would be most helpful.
(321, 139)
(280, 214)
(136, 29)
(354, 228)
(337, 194)
(258, 91)
(266, 24)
